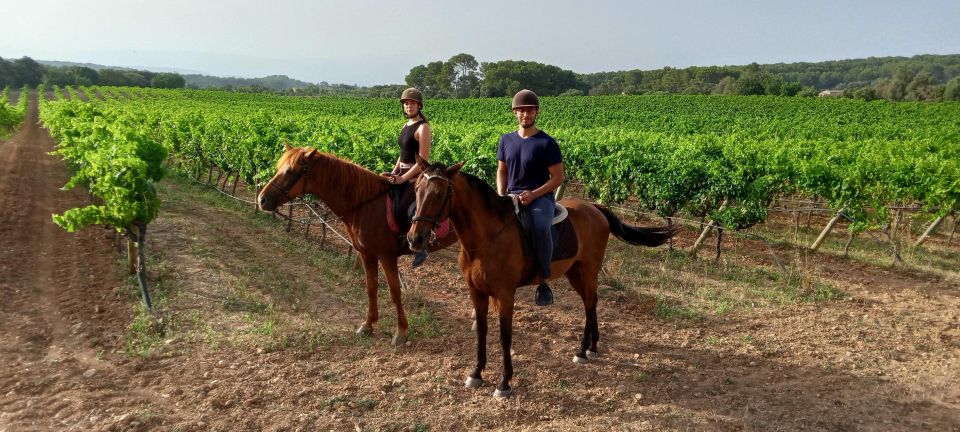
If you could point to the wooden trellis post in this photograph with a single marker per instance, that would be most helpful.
(826, 230)
(706, 231)
(929, 230)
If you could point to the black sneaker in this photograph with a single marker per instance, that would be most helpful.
(544, 295)
(419, 258)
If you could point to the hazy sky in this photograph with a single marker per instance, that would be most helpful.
(377, 42)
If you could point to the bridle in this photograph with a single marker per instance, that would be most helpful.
(304, 169)
(447, 202)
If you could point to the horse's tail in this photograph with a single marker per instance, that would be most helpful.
(639, 236)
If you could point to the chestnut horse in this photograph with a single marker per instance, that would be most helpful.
(358, 197)
(492, 258)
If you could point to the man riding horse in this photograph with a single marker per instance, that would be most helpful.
(531, 167)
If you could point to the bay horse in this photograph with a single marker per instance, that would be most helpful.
(492, 258)
(357, 196)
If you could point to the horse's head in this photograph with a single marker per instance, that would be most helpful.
(289, 181)
(434, 189)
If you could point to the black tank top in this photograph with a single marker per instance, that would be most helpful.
(409, 146)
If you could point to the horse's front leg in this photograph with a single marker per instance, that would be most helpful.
(370, 275)
(506, 340)
(393, 281)
(481, 302)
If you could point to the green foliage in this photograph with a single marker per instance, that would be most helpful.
(20, 72)
(12, 116)
(462, 76)
(167, 80)
(671, 153)
(112, 157)
(505, 78)
(9, 118)
(952, 90)
(889, 76)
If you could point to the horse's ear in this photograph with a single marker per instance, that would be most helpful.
(455, 168)
(286, 145)
(422, 163)
(311, 153)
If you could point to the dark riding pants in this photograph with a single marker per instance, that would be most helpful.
(541, 215)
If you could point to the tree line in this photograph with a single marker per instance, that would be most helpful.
(918, 78)
(26, 71)
(462, 76)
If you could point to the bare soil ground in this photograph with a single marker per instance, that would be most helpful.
(254, 331)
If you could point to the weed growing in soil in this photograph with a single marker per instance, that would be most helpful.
(145, 332)
(665, 310)
(424, 324)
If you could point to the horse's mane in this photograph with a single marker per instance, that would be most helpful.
(342, 174)
(499, 205)
(290, 158)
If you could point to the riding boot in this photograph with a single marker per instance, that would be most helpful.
(419, 258)
(544, 294)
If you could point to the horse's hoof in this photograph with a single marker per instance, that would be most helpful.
(399, 340)
(502, 394)
(592, 354)
(473, 383)
(473, 327)
(365, 330)
(579, 360)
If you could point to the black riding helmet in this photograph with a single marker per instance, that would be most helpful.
(525, 98)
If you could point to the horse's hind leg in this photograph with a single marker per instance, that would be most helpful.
(586, 286)
(594, 328)
(393, 281)
(370, 276)
(591, 298)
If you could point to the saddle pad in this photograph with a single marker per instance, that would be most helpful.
(565, 243)
(397, 218)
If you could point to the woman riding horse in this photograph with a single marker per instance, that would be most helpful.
(356, 196)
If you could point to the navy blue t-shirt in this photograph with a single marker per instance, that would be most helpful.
(528, 159)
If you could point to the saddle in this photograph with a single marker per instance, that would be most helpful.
(565, 243)
(401, 200)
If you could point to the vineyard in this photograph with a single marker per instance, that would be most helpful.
(719, 159)
(253, 322)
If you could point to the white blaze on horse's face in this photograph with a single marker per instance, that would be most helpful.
(277, 191)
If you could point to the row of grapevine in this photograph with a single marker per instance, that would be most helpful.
(12, 115)
(112, 156)
(722, 158)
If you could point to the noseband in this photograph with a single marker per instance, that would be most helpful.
(447, 202)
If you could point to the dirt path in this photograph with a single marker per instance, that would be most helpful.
(62, 313)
